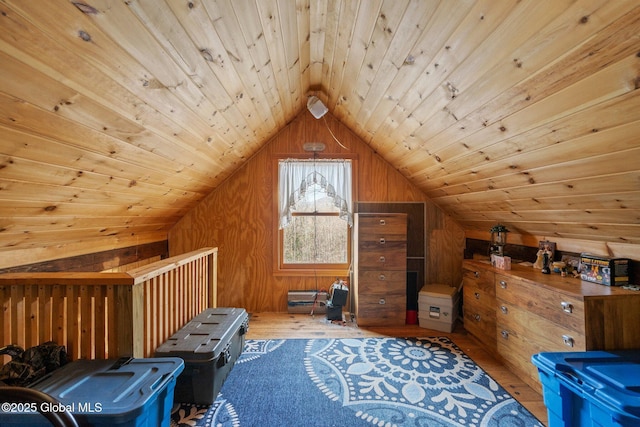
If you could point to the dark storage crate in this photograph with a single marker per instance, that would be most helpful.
(334, 312)
(209, 345)
(131, 393)
(339, 295)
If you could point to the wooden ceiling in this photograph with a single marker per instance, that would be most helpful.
(117, 117)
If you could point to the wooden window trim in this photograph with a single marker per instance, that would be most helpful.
(327, 270)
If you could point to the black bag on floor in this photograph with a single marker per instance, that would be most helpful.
(27, 366)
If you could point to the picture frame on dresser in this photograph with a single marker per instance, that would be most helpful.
(549, 247)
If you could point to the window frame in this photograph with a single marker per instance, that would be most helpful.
(299, 269)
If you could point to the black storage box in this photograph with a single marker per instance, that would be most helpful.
(339, 294)
(334, 312)
(209, 344)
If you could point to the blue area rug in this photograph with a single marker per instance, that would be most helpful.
(357, 382)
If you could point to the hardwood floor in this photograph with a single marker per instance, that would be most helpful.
(284, 325)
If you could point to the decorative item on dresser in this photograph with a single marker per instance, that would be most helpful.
(529, 312)
(380, 269)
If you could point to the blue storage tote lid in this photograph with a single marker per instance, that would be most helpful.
(609, 378)
(117, 391)
(206, 336)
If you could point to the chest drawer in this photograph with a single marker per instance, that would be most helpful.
(389, 227)
(476, 295)
(515, 321)
(383, 276)
(521, 334)
(561, 309)
(481, 280)
(479, 317)
(394, 257)
(396, 287)
(381, 308)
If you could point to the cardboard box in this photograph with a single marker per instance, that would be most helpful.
(604, 270)
(438, 307)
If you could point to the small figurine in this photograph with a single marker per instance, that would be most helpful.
(546, 261)
(541, 261)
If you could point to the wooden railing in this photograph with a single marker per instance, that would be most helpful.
(108, 315)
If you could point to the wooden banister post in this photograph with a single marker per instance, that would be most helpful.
(123, 321)
(213, 278)
(137, 322)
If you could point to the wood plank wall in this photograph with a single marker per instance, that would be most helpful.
(120, 259)
(238, 218)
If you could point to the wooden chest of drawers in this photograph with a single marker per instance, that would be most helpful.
(380, 269)
(535, 313)
(479, 298)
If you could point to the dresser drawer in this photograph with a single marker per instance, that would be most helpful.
(555, 306)
(383, 260)
(521, 334)
(378, 239)
(389, 227)
(383, 286)
(378, 276)
(381, 308)
(482, 280)
(547, 335)
(515, 351)
(480, 321)
(474, 294)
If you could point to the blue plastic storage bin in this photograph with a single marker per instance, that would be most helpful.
(593, 388)
(132, 393)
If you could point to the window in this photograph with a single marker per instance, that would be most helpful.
(315, 214)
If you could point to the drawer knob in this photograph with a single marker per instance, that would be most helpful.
(477, 317)
(503, 284)
(383, 222)
(477, 295)
(504, 309)
(505, 334)
(382, 277)
(382, 259)
(382, 241)
(567, 307)
(382, 301)
(476, 274)
(567, 340)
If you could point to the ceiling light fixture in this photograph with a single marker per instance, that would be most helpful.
(316, 107)
(313, 147)
(318, 110)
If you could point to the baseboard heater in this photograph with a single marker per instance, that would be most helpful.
(303, 302)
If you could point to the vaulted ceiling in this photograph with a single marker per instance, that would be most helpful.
(117, 117)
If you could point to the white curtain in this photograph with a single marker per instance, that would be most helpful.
(333, 176)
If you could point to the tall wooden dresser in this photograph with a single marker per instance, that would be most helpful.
(380, 269)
